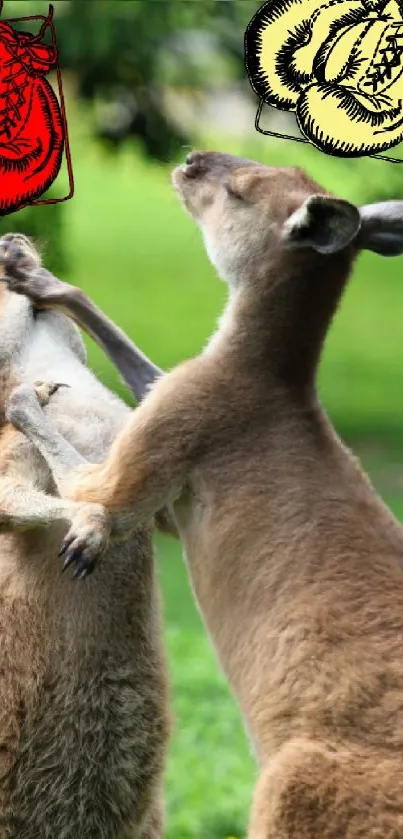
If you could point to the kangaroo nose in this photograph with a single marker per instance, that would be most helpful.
(193, 157)
(195, 164)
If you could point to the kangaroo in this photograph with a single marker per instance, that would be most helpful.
(84, 718)
(295, 562)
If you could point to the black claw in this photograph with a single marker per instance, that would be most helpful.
(71, 557)
(56, 387)
(83, 569)
(66, 563)
(65, 544)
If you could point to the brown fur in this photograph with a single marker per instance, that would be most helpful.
(295, 561)
(83, 694)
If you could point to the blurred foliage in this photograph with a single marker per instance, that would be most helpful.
(123, 61)
(117, 50)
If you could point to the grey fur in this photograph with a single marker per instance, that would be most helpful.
(83, 695)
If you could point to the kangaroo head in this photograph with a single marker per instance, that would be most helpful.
(287, 245)
(247, 211)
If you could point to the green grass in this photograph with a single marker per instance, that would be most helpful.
(210, 768)
(140, 257)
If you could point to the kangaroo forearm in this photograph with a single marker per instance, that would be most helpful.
(135, 368)
(23, 508)
(47, 291)
(138, 489)
(14, 321)
(149, 461)
(142, 474)
(137, 371)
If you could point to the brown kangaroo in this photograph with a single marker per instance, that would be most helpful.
(295, 561)
(83, 696)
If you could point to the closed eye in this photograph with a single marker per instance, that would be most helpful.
(233, 193)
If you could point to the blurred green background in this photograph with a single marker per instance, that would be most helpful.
(145, 82)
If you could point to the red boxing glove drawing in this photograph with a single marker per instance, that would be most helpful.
(32, 123)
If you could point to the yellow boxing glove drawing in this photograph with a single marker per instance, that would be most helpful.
(337, 64)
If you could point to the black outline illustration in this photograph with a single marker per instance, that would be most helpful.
(333, 63)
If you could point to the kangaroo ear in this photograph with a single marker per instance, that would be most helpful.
(382, 228)
(323, 223)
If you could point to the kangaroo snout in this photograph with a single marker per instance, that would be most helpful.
(205, 177)
(200, 163)
(215, 164)
(197, 164)
(194, 164)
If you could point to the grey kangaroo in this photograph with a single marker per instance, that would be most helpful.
(84, 719)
